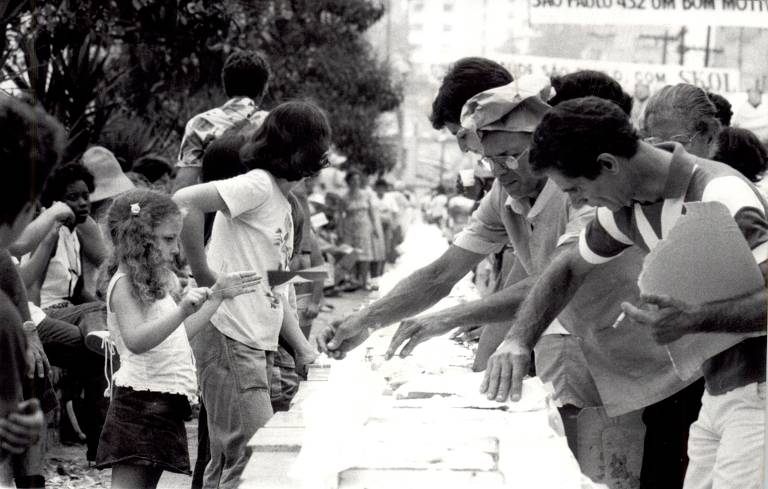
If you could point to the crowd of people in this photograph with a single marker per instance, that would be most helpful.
(580, 196)
(240, 240)
(113, 262)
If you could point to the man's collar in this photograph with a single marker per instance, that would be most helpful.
(680, 170)
(239, 102)
(521, 206)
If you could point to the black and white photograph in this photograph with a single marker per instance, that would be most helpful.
(383, 244)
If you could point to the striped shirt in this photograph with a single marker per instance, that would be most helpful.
(207, 126)
(690, 179)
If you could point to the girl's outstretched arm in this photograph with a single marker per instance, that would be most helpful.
(139, 334)
(226, 287)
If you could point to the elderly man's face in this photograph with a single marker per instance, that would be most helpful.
(514, 174)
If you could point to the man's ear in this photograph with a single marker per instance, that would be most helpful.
(608, 162)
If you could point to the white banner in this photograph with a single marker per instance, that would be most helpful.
(720, 80)
(743, 13)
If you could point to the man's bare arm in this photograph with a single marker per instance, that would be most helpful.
(498, 307)
(669, 319)
(552, 292)
(422, 289)
(414, 294)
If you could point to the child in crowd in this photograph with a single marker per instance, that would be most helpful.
(144, 432)
(252, 228)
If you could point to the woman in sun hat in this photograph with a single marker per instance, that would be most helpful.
(109, 179)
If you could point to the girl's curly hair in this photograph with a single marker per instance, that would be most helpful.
(132, 221)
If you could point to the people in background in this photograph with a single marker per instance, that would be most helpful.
(753, 115)
(359, 226)
(682, 114)
(157, 170)
(723, 108)
(244, 77)
(740, 149)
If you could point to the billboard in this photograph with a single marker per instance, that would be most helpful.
(721, 80)
(740, 13)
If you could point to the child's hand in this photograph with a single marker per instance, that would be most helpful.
(194, 300)
(236, 283)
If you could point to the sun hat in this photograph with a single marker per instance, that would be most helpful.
(515, 107)
(109, 179)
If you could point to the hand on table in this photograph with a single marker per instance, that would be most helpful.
(505, 372)
(415, 331)
(340, 337)
(669, 319)
(467, 333)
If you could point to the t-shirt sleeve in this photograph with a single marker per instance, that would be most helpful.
(578, 219)
(244, 192)
(601, 240)
(197, 135)
(485, 232)
(746, 208)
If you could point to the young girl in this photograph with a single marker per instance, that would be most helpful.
(253, 228)
(144, 432)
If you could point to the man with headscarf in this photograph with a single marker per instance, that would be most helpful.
(631, 371)
(520, 208)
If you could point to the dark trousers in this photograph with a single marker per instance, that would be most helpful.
(203, 448)
(64, 344)
(665, 451)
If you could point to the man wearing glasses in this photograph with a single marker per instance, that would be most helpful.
(630, 371)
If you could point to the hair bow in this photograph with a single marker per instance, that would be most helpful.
(135, 209)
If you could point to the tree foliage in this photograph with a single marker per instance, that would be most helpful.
(111, 66)
(317, 51)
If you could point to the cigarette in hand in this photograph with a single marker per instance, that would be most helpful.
(619, 319)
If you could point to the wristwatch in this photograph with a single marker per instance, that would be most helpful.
(29, 327)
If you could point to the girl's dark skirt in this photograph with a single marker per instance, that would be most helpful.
(145, 428)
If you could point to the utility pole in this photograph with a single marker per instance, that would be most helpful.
(388, 42)
(740, 56)
(665, 40)
(682, 49)
(485, 28)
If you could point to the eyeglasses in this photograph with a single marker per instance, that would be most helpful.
(502, 162)
(325, 162)
(683, 139)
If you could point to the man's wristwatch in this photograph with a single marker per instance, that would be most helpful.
(29, 327)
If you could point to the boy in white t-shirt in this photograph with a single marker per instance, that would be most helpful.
(252, 229)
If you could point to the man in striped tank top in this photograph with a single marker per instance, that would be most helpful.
(589, 148)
